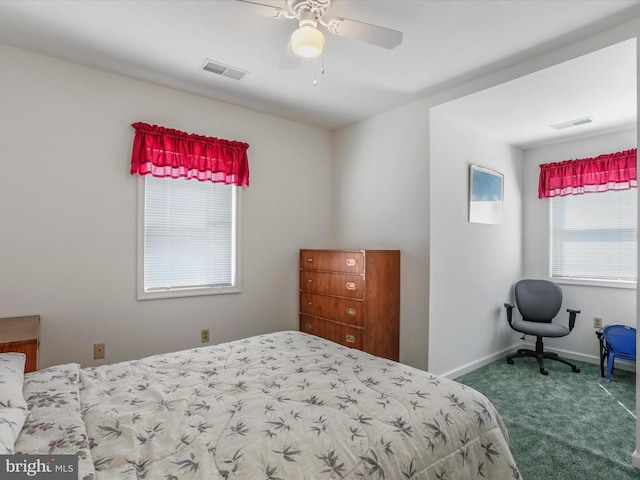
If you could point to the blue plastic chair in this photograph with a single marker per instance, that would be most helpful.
(621, 343)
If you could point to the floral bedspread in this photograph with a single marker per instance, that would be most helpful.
(283, 406)
(55, 425)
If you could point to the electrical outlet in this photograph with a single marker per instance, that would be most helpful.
(597, 322)
(204, 335)
(98, 350)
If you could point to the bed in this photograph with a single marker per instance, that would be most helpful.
(281, 406)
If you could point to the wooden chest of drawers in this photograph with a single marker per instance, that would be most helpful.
(352, 297)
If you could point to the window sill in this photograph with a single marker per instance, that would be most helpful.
(187, 292)
(625, 285)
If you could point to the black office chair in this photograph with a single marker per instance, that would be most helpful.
(539, 301)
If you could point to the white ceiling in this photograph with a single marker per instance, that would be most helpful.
(601, 85)
(445, 43)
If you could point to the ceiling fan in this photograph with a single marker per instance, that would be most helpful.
(308, 40)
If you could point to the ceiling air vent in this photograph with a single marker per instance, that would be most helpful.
(224, 70)
(572, 123)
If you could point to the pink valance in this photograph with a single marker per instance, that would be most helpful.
(615, 171)
(164, 152)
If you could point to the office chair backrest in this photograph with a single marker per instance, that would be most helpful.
(538, 300)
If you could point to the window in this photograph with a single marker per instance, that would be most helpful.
(593, 236)
(188, 237)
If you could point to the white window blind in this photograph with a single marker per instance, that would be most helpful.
(189, 235)
(594, 236)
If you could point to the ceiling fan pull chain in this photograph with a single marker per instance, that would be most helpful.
(315, 72)
(315, 69)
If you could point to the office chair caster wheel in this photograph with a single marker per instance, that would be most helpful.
(510, 361)
(544, 372)
(575, 369)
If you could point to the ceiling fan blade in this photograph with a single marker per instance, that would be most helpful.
(266, 10)
(374, 34)
(289, 59)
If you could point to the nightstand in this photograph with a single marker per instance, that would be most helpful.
(22, 335)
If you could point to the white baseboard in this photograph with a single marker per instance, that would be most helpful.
(470, 367)
(635, 459)
(594, 359)
(619, 364)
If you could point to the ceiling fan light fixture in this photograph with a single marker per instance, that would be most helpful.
(307, 41)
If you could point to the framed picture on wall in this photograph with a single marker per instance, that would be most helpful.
(486, 195)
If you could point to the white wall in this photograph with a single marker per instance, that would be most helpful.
(472, 265)
(68, 211)
(388, 195)
(382, 201)
(614, 305)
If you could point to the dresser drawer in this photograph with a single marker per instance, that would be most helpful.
(343, 285)
(333, 261)
(309, 325)
(343, 310)
(342, 334)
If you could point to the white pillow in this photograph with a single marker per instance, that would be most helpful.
(13, 407)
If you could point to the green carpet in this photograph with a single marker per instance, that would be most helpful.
(565, 425)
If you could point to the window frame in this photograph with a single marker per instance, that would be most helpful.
(141, 294)
(621, 284)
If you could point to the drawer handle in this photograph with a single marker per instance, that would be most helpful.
(351, 339)
(309, 260)
(309, 302)
(351, 262)
(351, 285)
(308, 326)
(309, 280)
(351, 311)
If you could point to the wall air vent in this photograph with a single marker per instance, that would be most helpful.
(572, 123)
(224, 70)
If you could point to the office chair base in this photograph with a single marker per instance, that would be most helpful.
(540, 355)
